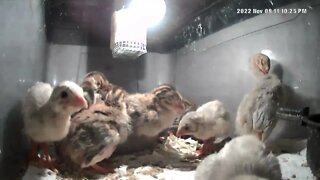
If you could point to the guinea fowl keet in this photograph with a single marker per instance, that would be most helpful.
(208, 122)
(46, 114)
(94, 135)
(156, 111)
(243, 158)
(257, 111)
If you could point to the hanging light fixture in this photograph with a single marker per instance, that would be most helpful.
(129, 27)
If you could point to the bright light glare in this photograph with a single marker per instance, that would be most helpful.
(150, 11)
(268, 53)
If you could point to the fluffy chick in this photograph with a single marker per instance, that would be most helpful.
(244, 157)
(208, 122)
(257, 110)
(96, 81)
(94, 135)
(155, 111)
(91, 83)
(47, 111)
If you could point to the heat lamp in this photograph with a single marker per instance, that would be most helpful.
(129, 27)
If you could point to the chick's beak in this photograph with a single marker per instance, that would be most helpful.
(80, 101)
(264, 70)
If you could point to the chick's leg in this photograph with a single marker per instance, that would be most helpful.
(208, 147)
(45, 149)
(47, 161)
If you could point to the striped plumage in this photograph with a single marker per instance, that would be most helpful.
(164, 90)
(98, 82)
(189, 106)
(95, 133)
(94, 80)
(113, 92)
(167, 97)
(156, 111)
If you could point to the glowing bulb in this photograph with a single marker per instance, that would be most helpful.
(151, 12)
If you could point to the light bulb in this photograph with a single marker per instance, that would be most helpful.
(151, 12)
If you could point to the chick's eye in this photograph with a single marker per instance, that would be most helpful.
(64, 94)
(187, 128)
